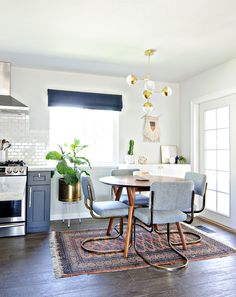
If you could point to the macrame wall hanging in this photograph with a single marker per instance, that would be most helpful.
(151, 130)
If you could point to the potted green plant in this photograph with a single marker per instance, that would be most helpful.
(69, 166)
(182, 160)
(129, 158)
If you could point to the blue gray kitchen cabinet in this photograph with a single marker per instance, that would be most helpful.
(38, 201)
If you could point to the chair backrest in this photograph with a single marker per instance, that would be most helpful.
(86, 183)
(199, 181)
(172, 195)
(123, 172)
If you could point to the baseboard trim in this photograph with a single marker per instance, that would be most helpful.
(232, 230)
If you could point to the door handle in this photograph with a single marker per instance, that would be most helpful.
(30, 197)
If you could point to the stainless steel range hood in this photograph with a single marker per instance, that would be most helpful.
(7, 102)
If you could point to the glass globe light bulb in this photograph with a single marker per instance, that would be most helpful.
(149, 85)
(166, 91)
(147, 106)
(147, 94)
(131, 79)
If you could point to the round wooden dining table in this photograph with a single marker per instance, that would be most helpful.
(132, 185)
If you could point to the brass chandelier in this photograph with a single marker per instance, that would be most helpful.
(149, 85)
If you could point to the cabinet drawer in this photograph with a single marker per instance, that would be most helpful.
(39, 178)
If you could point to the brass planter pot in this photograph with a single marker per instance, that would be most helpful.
(69, 193)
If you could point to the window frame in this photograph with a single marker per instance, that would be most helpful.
(115, 138)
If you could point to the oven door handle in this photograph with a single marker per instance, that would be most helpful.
(11, 225)
(30, 197)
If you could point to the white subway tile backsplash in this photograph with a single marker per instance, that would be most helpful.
(27, 144)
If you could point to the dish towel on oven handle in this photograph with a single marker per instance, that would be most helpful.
(12, 188)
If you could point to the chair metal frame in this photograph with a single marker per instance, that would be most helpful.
(189, 221)
(198, 236)
(100, 238)
(151, 226)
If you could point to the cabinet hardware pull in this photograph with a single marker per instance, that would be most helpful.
(39, 175)
(30, 197)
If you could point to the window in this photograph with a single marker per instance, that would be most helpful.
(217, 159)
(97, 128)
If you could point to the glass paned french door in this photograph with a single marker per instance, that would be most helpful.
(216, 146)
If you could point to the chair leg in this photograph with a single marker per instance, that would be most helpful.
(109, 227)
(162, 267)
(194, 241)
(155, 226)
(121, 226)
(179, 227)
(100, 238)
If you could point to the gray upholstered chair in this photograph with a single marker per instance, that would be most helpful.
(167, 201)
(140, 200)
(102, 210)
(200, 187)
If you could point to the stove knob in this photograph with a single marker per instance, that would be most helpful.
(22, 170)
(9, 170)
(15, 170)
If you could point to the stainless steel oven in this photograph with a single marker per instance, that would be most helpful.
(12, 199)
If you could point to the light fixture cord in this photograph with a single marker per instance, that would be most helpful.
(149, 75)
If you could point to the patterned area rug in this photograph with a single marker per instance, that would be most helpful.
(69, 259)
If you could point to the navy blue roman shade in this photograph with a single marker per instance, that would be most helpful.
(85, 100)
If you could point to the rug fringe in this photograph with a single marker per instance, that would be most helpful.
(56, 261)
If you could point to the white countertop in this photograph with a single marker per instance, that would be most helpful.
(52, 168)
(41, 168)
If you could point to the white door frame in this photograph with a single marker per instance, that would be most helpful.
(195, 124)
(195, 132)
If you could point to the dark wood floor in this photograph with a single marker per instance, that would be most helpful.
(26, 270)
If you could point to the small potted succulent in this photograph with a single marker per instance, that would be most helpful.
(69, 167)
(129, 158)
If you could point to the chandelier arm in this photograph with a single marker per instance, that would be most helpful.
(141, 78)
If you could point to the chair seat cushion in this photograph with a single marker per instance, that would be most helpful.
(110, 208)
(159, 216)
(140, 200)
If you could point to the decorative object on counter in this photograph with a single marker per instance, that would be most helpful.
(176, 159)
(181, 160)
(68, 166)
(4, 146)
(151, 131)
(129, 158)
(167, 152)
(142, 160)
(149, 85)
(172, 160)
(3, 156)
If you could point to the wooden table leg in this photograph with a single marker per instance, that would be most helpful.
(181, 234)
(117, 191)
(131, 196)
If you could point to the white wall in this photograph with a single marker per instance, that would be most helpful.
(214, 80)
(30, 86)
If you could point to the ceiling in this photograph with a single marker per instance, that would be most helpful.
(109, 36)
